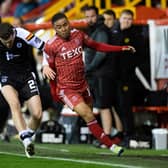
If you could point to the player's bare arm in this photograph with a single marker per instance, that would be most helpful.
(48, 72)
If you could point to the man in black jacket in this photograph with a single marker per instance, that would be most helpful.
(125, 33)
(100, 68)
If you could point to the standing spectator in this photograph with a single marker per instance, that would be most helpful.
(100, 69)
(64, 54)
(109, 18)
(109, 21)
(125, 33)
(18, 82)
(24, 7)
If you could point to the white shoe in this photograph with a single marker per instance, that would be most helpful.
(29, 147)
(117, 149)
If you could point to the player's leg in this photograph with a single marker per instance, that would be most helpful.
(80, 102)
(86, 113)
(106, 119)
(105, 92)
(30, 92)
(76, 101)
(11, 96)
(35, 108)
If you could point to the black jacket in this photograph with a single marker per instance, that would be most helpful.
(99, 63)
(126, 61)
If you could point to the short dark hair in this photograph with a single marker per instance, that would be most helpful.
(128, 12)
(6, 30)
(92, 8)
(58, 16)
(110, 12)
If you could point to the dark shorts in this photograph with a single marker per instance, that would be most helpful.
(104, 92)
(25, 84)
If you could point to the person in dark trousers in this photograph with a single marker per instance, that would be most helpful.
(109, 20)
(125, 33)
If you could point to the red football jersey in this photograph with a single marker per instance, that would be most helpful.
(65, 57)
(68, 60)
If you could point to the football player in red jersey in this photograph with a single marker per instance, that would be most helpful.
(63, 54)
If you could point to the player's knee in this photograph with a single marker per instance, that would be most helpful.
(87, 116)
(37, 115)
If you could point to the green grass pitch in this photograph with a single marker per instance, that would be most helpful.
(79, 156)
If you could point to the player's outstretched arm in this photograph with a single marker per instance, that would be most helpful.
(103, 47)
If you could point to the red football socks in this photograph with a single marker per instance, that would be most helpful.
(98, 132)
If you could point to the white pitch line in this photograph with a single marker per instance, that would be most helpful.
(47, 148)
(75, 160)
